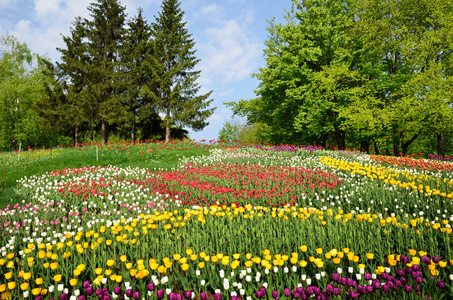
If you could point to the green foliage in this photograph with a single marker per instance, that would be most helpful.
(357, 72)
(21, 85)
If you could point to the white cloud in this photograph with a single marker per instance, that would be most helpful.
(229, 53)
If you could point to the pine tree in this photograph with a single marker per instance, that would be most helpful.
(174, 60)
(137, 74)
(92, 56)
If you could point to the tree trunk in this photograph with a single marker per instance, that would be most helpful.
(440, 143)
(133, 130)
(76, 136)
(365, 146)
(376, 149)
(406, 145)
(167, 125)
(341, 138)
(103, 133)
(167, 131)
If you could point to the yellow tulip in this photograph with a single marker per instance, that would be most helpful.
(73, 281)
(24, 286)
(57, 278)
(11, 285)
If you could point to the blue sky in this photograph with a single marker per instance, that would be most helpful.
(229, 35)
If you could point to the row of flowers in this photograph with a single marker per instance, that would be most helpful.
(107, 232)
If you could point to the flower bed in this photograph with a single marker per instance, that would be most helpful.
(234, 224)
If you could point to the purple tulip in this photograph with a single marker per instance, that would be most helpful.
(296, 295)
(100, 296)
(150, 286)
(89, 290)
(287, 292)
(403, 281)
(385, 276)
(343, 281)
(336, 291)
(234, 297)
(391, 284)
(203, 296)
(99, 292)
(217, 296)
(172, 296)
(415, 267)
(436, 259)
(86, 284)
(107, 297)
(309, 290)
(398, 283)
(353, 295)
(329, 288)
(399, 273)
(81, 297)
(160, 294)
(129, 293)
(362, 289)
(426, 259)
(385, 288)
(408, 270)
(117, 290)
(178, 296)
(417, 288)
(440, 284)
(376, 284)
(274, 294)
(407, 288)
(368, 276)
(188, 294)
(349, 282)
(369, 288)
(63, 296)
(419, 280)
(317, 290)
(335, 277)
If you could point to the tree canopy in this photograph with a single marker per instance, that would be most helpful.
(350, 72)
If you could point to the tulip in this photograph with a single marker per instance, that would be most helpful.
(160, 294)
(63, 296)
(329, 288)
(336, 291)
(368, 276)
(274, 294)
(107, 297)
(136, 295)
(287, 292)
(436, 259)
(376, 284)
(86, 284)
(335, 277)
(81, 297)
(353, 295)
(426, 259)
(203, 296)
(172, 296)
(399, 272)
(188, 294)
(407, 288)
(385, 288)
(89, 290)
(440, 284)
(129, 293)
(178, 296)
(218, 296)
(117, 290)
(309, 291)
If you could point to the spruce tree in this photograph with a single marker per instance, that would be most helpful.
(96, 62)
(174, 61)
(136, 73)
